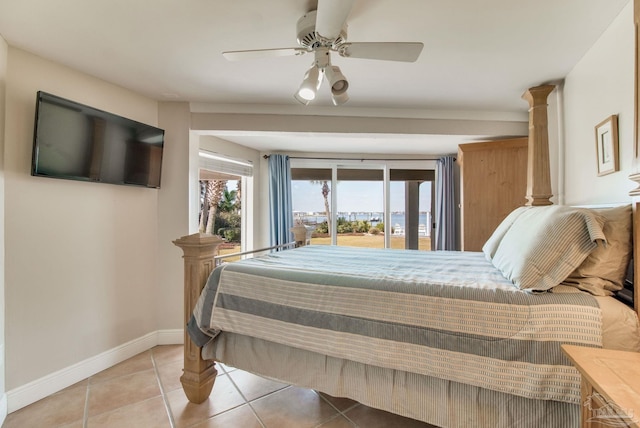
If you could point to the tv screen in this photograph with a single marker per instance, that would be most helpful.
(77, 142)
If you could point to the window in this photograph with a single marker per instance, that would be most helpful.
(411, 199)
(364, 194)
(222, 180)
(311, 193)
(360, 207)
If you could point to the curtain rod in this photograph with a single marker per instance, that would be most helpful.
(362, 159)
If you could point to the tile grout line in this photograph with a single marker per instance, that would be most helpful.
(85, 415)
(340, 412)
(355, 425)
(247, 402)
(167, 407)
(336, 416)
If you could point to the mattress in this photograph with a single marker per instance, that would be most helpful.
(444, 315)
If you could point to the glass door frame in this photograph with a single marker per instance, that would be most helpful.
(383, 164)
(370, 165)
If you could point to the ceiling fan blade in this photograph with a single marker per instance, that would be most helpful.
(388, 51)
(331, 17)
(263, 53)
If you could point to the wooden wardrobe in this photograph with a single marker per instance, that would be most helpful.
(493, 182)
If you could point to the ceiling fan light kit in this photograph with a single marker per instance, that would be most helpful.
(310, 85)
(339, 85)
(336, 79)
(320, 68)
(322, 31)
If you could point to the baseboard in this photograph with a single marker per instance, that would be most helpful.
(3, 399)
(3, 408)
(171, 337)
(33, 391)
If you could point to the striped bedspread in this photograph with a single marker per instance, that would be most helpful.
(450, 315)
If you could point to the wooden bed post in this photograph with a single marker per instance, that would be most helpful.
(538, 169)
(199, 252)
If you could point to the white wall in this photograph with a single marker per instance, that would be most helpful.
(81, 257)
(4, 50)
(600, 85)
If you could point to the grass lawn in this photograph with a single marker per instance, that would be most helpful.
(368, 241)
(371, 241)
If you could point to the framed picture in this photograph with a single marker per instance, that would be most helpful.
(607, 145)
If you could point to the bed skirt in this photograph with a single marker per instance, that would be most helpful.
(432, 400)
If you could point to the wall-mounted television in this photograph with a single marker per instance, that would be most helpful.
(77, 142)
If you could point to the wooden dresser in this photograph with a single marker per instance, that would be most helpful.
(610, 389)
(493, 182)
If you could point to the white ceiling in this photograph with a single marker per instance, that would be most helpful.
(478, 56)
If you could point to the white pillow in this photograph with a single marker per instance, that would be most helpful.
(491, 246)
(545, 244)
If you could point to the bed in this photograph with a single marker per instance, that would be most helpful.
(449, 338)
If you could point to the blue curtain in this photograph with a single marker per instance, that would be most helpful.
(280, 204)
(446, 229)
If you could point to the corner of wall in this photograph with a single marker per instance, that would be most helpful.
(3, 408)
(33, 391)
(174, 207)
(3, 73)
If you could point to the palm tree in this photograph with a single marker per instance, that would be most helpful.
(239, 195)
(215, 188)
(325, 194)
(227, 203)
(204, 204)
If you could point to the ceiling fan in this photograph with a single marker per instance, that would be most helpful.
(322, 31)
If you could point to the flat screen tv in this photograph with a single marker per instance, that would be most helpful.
(76, 142)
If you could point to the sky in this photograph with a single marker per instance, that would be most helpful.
(355, 196)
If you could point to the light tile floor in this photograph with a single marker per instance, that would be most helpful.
(145, 392)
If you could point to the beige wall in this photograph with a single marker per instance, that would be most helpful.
(3, 75)
(600, 85)
(81, 261)
(91, 266)
(174, 210)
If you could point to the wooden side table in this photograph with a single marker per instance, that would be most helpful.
(610, 389)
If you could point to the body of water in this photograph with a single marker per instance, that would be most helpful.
(397, 219)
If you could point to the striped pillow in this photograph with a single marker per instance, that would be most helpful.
(603, 272)
(491, 246)
(545, 244)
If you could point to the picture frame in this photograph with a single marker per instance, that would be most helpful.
(607, 145)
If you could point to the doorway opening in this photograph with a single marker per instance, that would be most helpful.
(375, 206)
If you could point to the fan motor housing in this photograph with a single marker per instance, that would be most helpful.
(307, 36)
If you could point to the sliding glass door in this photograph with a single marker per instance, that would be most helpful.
(360, 207)
(365, 204)
(411, 199)
(311, 193)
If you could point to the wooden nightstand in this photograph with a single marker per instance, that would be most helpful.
(610, 390)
